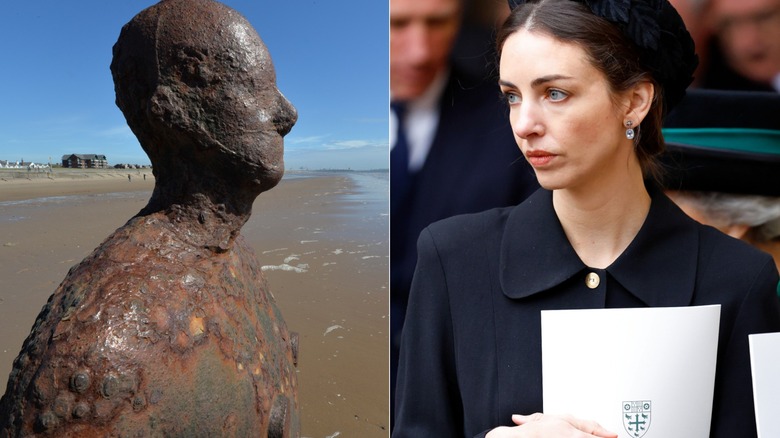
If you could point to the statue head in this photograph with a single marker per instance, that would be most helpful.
(198, 88)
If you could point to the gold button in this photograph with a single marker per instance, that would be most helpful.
(592, 280)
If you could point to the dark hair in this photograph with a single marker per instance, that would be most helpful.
(608, 49)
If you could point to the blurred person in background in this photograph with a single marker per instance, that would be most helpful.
(752, 218)
(694, 15)
(746, 50)
(723, 163)
(452, 147)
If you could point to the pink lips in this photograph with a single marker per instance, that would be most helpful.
(539, 158)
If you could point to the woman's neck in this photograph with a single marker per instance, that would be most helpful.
(600, 223)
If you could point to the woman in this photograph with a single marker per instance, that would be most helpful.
(587, 88)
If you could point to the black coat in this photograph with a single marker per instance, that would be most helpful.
(471, 351)
(474, 164)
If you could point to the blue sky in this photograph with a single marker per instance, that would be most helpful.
(57, 95)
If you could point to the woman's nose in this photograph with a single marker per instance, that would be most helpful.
(285, 116)
(525, 120)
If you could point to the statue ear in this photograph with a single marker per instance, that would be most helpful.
(181, 114)
(167, 107)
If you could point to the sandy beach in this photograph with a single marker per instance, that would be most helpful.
(322, 239)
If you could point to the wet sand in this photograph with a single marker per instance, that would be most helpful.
(321, 239)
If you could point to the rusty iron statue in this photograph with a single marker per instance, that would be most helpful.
(168, 327)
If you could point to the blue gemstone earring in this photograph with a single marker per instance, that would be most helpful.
(629, 130)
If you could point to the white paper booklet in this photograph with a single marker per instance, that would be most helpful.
(765, 363)
(646, 372)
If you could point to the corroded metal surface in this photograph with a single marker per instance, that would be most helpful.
(168, 328)
(149, 334)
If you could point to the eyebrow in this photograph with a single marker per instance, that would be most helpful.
(536, 82)
(544, 79)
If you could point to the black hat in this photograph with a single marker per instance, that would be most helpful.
(664, 46)
(724, 141)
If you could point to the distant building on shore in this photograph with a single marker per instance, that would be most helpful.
(85, 161)
(29, 165)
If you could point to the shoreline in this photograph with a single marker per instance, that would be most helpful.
(62, 182)
(323, 248)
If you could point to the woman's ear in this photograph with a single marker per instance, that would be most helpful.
(639, 99)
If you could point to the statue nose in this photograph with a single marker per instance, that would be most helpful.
(286, 115)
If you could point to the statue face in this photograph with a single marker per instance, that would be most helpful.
(196, 83)
(246, 112)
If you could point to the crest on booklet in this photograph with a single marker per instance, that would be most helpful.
(636, 417)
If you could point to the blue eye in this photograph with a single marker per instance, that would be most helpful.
(512, 98)
(556, 95)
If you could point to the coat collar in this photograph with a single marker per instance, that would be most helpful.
(536, 255)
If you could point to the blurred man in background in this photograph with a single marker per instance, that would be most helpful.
(746, 55)
(452, 150)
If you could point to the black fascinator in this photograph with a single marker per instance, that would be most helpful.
(665, 47)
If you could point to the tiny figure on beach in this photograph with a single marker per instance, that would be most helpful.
(129, 178)
(168, 327)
